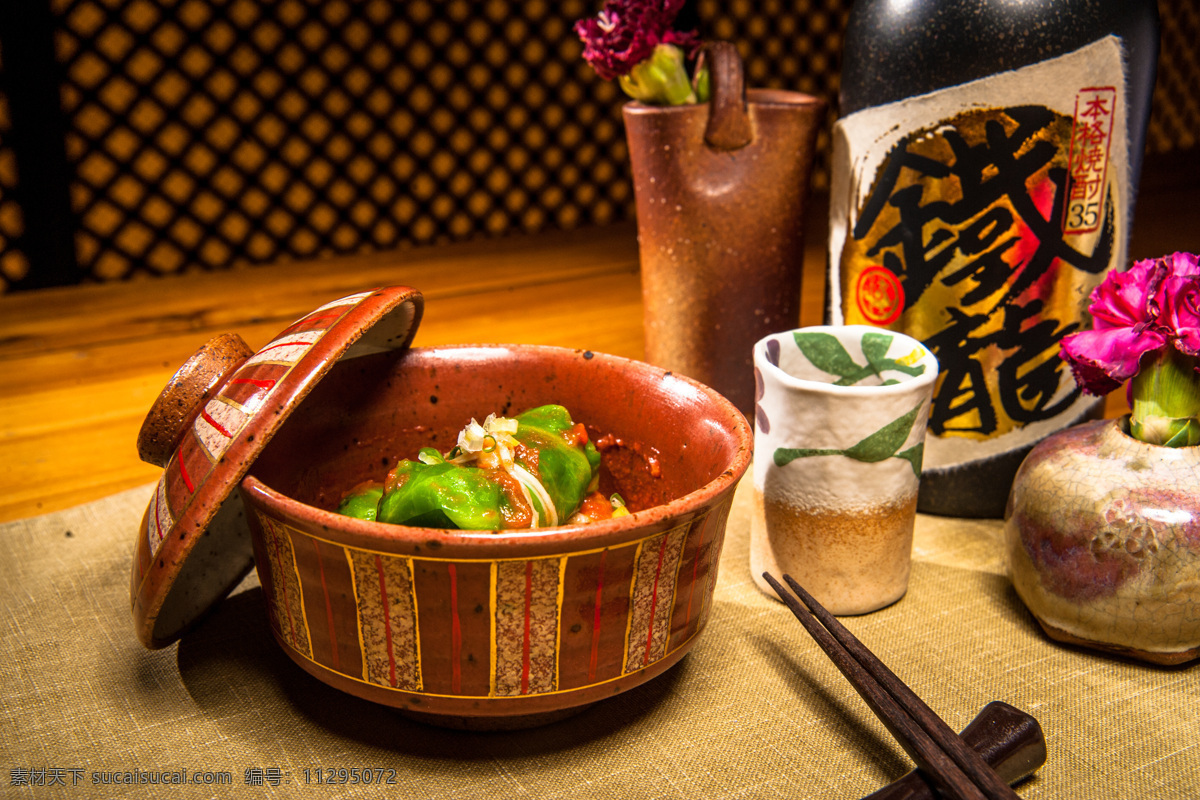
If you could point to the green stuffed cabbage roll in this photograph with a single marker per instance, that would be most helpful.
(533, 470)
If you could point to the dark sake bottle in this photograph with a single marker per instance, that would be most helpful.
(985, 166)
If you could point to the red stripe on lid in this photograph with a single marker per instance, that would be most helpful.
(187, 479)
(219, 427)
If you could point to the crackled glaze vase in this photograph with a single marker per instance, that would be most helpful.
(838, 442)
(1103, 540)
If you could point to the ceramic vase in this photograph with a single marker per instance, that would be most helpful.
(1103, 541)
(720, 189)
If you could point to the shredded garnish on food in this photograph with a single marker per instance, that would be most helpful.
(531, 484)
(491, 446)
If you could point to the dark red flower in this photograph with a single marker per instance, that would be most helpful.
(626, 32)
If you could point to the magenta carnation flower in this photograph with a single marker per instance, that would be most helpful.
(1122, 332)
(1146, 330)
(1154, 304)
(626, 32)
(1179, 302)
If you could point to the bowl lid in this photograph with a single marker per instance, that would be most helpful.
(208, 426)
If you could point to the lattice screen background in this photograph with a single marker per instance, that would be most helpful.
(203, 134)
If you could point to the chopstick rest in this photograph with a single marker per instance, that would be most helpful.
(1009, 740)
(957, 770)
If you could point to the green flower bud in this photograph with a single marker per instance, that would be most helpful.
(661, 79)
(1166, 401)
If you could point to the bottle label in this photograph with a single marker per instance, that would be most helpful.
(978, 219)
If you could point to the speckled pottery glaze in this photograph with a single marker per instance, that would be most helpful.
(485, 629)
(721, 189)
(839, 435)
(209, 425)
(1103, 541)
(476, 630)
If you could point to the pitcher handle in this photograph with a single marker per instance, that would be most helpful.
(729, 125)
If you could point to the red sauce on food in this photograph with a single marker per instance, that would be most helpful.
(595, 507)
(528, 457)
(518, 513)
(576, 436)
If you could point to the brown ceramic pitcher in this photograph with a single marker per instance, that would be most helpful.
(720, 190)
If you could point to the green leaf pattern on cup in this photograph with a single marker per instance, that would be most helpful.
(828, 355)
(883, 444)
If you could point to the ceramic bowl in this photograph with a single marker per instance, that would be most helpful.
(485, 629)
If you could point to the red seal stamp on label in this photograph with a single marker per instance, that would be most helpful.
(879, 295)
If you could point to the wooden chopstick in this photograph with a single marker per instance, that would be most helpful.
(957, 769)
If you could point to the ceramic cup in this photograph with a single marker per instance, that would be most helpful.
(840, 419)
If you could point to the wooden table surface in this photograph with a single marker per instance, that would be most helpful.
(80, 366)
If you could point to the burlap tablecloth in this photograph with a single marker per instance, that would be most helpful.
(754, 711)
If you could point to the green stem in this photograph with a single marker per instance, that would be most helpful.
(1166, 401)
(702, 83)
(661, 79)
